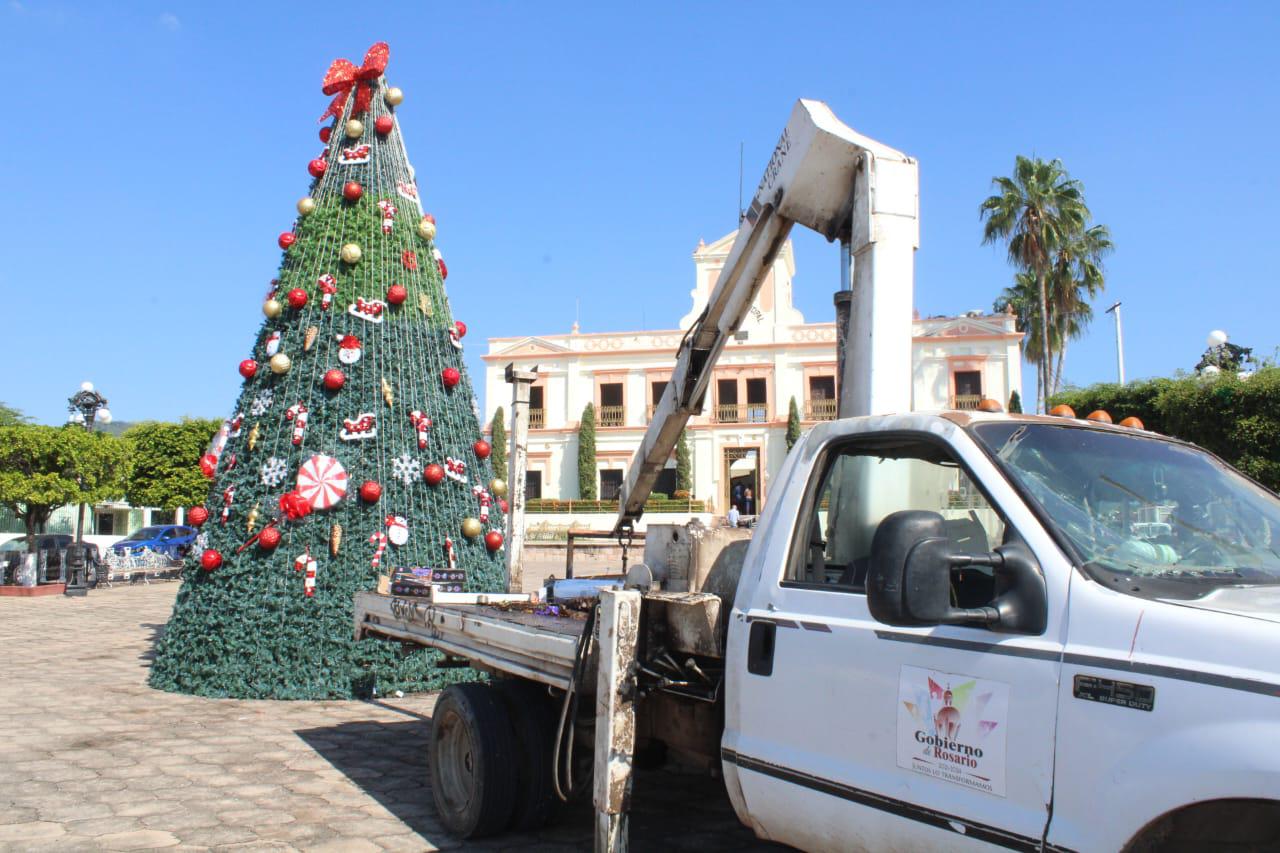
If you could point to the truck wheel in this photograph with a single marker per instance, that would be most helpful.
(473, 781)
(534, 723)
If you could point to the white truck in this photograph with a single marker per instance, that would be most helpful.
(948, 631)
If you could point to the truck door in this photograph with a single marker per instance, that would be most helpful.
(845, 733)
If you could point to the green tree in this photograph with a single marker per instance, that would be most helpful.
(793, 424)
(1038, 213)
(9, 416)
(1015, 402)
(164, 469)
(498, 438)
(587, 454)
(357, 365)
(43, 468)
(1076, 278)
(684, 465)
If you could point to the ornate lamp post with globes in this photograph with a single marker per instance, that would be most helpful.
(86, 406)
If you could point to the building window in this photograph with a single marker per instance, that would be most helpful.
(666, 482)
(757, 401)
(656, 390)
(610, 484)
(104, 523)
(968, 384)
(537, 408)
(727, 411)
(532, 485)
(821, 405)
(612, 412)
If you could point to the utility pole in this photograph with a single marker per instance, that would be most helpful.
(1115, 309)
(518, 462)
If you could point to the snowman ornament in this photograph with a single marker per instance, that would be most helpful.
(349, 349)
(397, 530)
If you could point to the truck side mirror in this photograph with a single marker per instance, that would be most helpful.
(909, 578)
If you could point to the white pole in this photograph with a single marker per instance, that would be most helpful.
(1115, 309)
(517, 463)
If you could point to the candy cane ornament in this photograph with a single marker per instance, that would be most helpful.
(450, 558)
(306, 564)
(486, 500)
(422, 423)
(388, 215)
(298, 414)
(328, 287)
(379, 541)
(228, 495)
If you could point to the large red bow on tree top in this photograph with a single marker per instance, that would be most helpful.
(342, 77)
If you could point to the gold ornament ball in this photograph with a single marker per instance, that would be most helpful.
(498, 486)
(280, 363)
(306, 205)
(426, 228)
(350, 253)
(471, 527)
(394, 96)
(272, 308)
(355, 128)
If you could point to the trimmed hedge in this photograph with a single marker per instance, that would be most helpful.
(1238, 419)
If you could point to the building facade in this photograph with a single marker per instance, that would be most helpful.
(738, 442)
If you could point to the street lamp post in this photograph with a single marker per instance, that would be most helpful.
(1115, 309)
(86, 406)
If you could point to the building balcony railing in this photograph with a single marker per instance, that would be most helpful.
(742, 413)
(966, 401)
(820, 410)
(612, 416)
(537, 418)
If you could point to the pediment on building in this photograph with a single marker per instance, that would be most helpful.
(717, 247)
(963, 327)
(533, 346)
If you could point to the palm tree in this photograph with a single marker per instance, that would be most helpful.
(1075, 279)
(1037, 211)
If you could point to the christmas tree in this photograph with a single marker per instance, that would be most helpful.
(355, 445)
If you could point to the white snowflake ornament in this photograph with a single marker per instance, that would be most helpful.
(405, 468)
(262, 402)
(274, 471)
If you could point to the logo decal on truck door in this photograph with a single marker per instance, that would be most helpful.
(952, 727)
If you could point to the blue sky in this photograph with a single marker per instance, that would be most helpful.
(578, 152)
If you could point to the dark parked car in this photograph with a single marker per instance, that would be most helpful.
(172, 540)
(53, 544)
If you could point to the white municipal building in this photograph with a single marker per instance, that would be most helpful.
(739, 440)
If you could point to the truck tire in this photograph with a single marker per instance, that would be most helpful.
(473, 757)
(534, 724)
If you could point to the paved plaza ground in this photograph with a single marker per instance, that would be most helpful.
(93, 759)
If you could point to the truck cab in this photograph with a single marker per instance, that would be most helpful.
(966, 629)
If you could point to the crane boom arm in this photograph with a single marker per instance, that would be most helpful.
(822, 176)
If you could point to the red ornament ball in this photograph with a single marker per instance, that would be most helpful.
(493, 540)
(210, 559)
(334, 379)
(433, 474)
(352, 191)
(397, 294)
(197, 516)
(326, 133)
(248, 368)
(208, 465)
(370, 491)
(482, 449)
(429, 217)
(450, 376)
(443, 267)
(287, 239)
(318, 167)
(297, 297)
(269, 539)
(460, 328)
(384, 124)
(502, 504)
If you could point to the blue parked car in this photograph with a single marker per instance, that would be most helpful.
(172, 540)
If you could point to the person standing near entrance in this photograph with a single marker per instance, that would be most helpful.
(733, 516)
(736, 496)
(747, 503)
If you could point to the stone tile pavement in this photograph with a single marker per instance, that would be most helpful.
(93, 759)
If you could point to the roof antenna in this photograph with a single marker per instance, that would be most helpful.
(740, 213)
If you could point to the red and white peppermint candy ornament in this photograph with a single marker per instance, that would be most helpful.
(322, 481)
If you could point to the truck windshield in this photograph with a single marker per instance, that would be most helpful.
(1147, 516)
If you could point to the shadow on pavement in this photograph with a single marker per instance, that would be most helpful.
(157, 631)
(388, 761)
